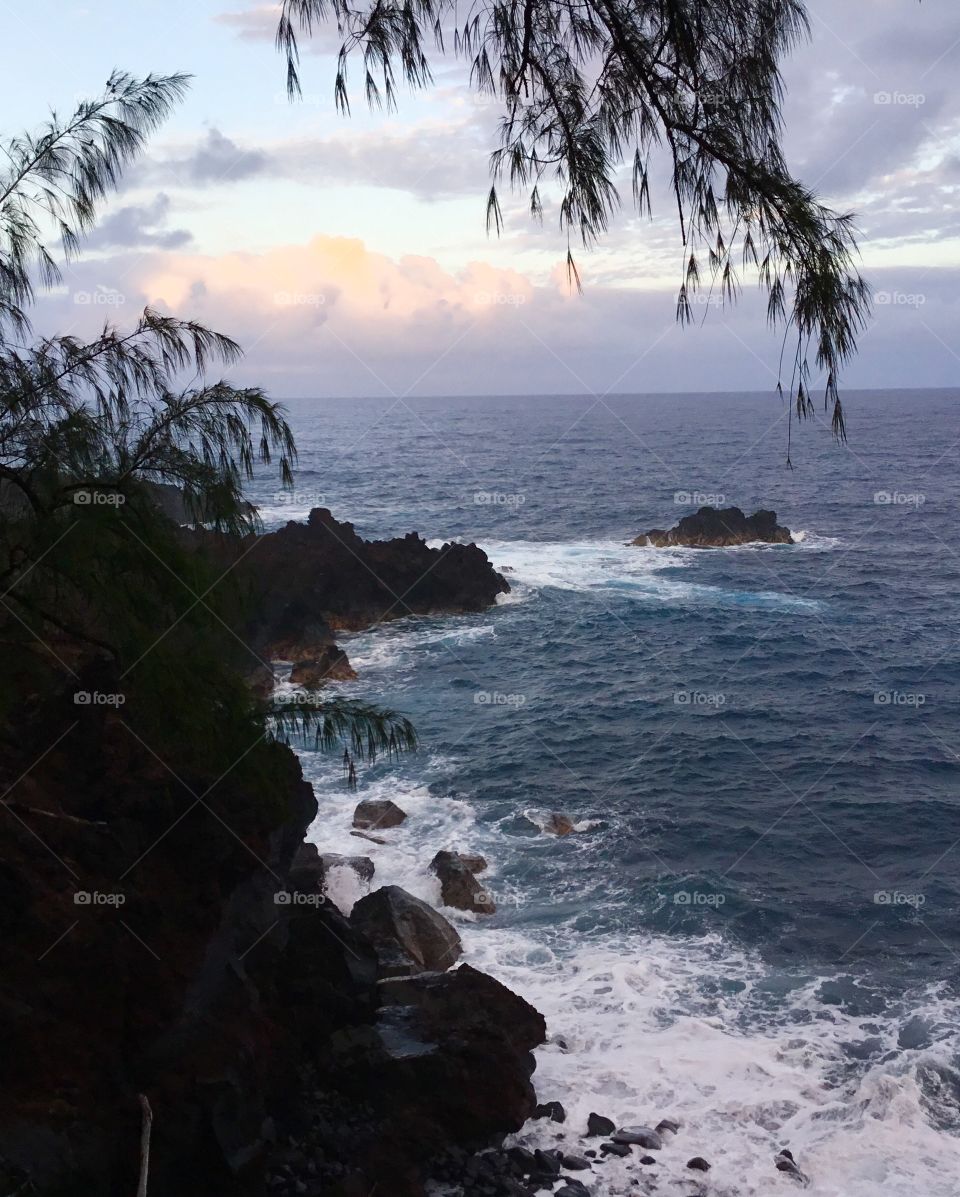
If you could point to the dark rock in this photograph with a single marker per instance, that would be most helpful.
(524, 1159)
(642, 1136)
(698, 1164)
(408, 935)
(576, 1163)
(666, 1126)
(557, 824)
(598, 1125)
(458, 886)
(647, 1159)
(374, 813)
(476, 864)
(548, 1162)
(572, 1188)
(309, 869)
(551, 1109)
(620, 1149)
(712, 528)
(327, 663)
(785, 1162)
(363, 866)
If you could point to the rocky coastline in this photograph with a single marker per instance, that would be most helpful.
(716, 528)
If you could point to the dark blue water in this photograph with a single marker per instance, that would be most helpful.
(762, 742)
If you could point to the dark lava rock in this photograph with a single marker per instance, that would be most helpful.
(647, 1159)
(786, 1163)
(373, 813)
(551, 1109)
(458, 886)
(577, 1163)
(327, 663)
(572, 1188)
(548, 1162)
(408, 935)
(698, 1164)
(711, 528)
(620, 1149)
(666, 1126)
(598, 1125)
(642, 1136)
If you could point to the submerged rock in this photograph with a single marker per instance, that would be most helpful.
(713, 528)
(458, 886)
(557, 824)
(642, 1136)
(786, 1163)
(377, 813)
(408, 935)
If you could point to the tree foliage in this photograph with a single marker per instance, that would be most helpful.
(90, 567)
(593, 89)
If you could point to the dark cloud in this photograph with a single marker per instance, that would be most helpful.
(139, 225)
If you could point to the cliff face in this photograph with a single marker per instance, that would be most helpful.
(145, 952)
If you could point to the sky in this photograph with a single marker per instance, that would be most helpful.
(350, 257)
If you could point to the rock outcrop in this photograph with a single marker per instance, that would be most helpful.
(373, 813)
(713, 528)
(459, 887)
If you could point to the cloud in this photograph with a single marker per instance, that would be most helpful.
(137, 225)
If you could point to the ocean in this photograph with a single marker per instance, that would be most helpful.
(754, 930)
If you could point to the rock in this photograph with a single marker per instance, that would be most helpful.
(647, 1159)
(309, 868)
(374, 813)
(327, 663)
(666, 1126)
(548, 1162)
(598, 1125)
(408, 935)
(619, 1149)
(525, 1160)
(363, 866)
(577, 1163)
(364, 835)
(698, 1164)
(557, 824)
(642, 1136)
(711, 528)
(573, 1188)
(476, 864)
(551, 1109)
(785, 1162)
(458, 886)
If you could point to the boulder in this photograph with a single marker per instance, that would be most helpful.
(377, 813)
(786, 1163)
(408, 936)
(557, 824)
(476, 864)
(552, 1110)
(642, 1136)
(713, 528)
(458, 886)
(698, 1164)
(666, 1126)
(309, 868)
(327, 663)
(620, 1149)
(598, 1125)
